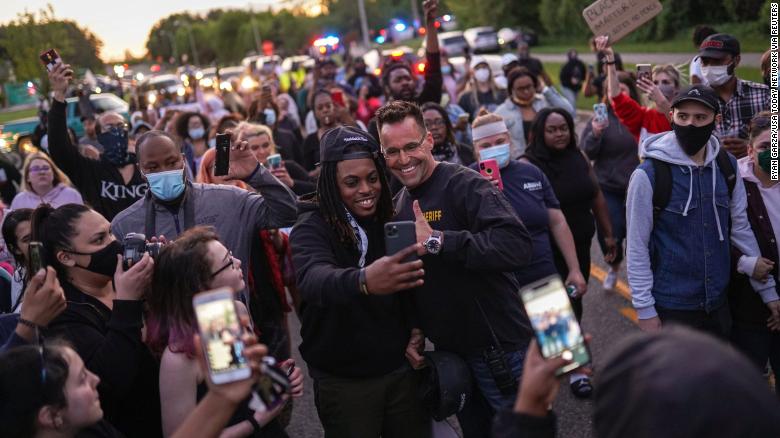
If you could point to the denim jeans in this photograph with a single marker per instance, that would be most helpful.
(616, 205)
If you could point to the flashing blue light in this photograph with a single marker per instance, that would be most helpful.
(399, 27)
(447, 17)
(380, 39)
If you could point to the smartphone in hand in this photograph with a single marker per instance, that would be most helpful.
(274, 161)
(222, 160)
(37, 261)
(489, 169)
(556, 328)
(600, 113)
(644, 71)
(50, 59)
(398, 236)
(220, 335)
(338, 97)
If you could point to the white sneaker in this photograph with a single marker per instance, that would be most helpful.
(610, 280)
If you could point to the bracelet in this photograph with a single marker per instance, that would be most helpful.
(363, 286)
(29, 323)
(257, 169)
(605, 62)
(255, 425)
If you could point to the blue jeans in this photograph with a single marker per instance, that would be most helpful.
(616, 204)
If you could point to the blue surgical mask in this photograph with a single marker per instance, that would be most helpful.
(270, 116)
(446, 69)
(196, 133)
(212, 142)
(166, 186)
(499, 153)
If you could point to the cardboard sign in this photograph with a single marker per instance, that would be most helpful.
(618, 18)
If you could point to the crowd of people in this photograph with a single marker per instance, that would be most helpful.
(674, 181)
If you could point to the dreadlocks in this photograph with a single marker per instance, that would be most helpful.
(332, 207)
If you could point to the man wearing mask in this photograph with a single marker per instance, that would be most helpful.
(678, 256)
(109, 184)
(572, 75)
(362, 77)
(173, 204)
(472, 242)
(740, 100)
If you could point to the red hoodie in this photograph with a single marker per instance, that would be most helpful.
(639, 120)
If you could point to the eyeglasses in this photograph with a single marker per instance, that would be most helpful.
(230, 264)
(109, 127)
(433, 123)
(39, 169)
(408, 149)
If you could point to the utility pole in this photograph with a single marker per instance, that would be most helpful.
(364, 23)
(258, 47)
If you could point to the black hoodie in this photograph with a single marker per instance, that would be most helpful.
(345, 333)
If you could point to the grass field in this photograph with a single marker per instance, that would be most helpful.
(10, 116)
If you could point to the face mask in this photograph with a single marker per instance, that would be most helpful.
(446, 69)
(693, 138)
(499, 153)
(114, 144)
(270, 116)
(765, 160)
(196, 134)
(166, 186)
(668, 90)
(102, 261)
(482, 75)
(716, 75)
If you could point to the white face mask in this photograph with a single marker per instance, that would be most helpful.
(717, 75)
(482, 75)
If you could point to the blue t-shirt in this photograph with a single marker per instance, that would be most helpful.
(526, 187)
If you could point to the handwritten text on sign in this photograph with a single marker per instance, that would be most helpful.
(618, 18)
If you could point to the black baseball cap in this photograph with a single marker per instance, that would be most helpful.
(718, 46)
(337, 140)
(698, 93)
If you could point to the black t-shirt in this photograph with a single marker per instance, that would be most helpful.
(311, 151)
(484, 244)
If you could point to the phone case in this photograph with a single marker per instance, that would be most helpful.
(600, 111)
(50, 58)
(222, 160)
(274, 161)
(489, 169)
(400, 235)
(36, 257)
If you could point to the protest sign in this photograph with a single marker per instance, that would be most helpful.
(618, 18)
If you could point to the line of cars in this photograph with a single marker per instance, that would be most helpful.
(484, 39)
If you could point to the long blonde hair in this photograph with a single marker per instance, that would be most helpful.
(59, 175)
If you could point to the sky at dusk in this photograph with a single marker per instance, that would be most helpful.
(126, 25)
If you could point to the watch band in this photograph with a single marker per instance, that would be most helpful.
(363, 286)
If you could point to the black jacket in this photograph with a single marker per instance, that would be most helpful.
(109, 342)
(100, 183)
(345, 333)
(484, 243)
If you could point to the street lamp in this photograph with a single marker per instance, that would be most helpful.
(192, 40)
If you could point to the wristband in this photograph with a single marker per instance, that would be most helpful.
(255, 425)
(605, 62)
(363, 286)
(249, 178)
(28, 323)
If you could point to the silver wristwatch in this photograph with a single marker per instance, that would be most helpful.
(433, 243)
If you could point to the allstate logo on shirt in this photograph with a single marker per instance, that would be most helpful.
(532, 186)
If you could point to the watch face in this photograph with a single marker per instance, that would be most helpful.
(433, 246)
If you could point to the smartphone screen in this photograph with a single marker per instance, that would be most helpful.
(555, 326)
(222, 160)
(50, 59)
(274, 161)
(36, 257)
(220, 333)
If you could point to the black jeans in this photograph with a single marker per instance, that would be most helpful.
(386, 406)
(760, 346)
(716, 323)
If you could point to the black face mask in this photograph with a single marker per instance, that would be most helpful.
(693, 138)
(114, 144)
(103, 261)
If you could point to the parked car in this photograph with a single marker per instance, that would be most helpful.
(15, 137)
(509, 37)
(482, 39)
(161, 84)
(452, 43)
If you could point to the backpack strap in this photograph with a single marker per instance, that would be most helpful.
(662, 186)
(727, 169)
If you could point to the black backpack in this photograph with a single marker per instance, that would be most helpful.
(662, 187)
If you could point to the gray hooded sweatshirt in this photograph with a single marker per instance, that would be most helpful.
(639, 217)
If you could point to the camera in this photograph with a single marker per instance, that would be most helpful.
(134, 247)
(499, 369)
(392, 231)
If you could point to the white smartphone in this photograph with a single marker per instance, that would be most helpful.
(555, 326)
(220, 335)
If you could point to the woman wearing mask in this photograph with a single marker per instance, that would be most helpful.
(483, 92)
(262, 144)
(44, 183)
(16, 235)
(613, 150)
(191, 129)
(528, 95)
(198, 256)
(326, 113)
(103, 318)
(640, 120)
(445, 148)
(530, 193)
(754, 331)
(353, 328)
(554, 150)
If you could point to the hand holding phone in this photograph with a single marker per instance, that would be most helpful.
(37, 261)
(644, 71)
(222, 159)
(50, 59)
(274, 161)
(489, 169)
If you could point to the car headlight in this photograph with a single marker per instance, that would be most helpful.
(208, 82)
